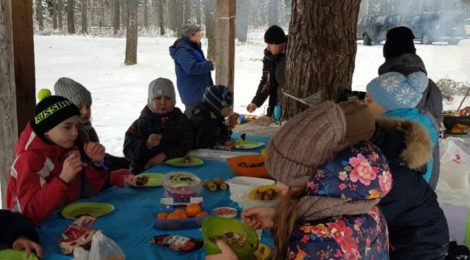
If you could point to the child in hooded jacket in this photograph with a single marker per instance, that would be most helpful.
(208, 119)
(48, 170)
(161, 132)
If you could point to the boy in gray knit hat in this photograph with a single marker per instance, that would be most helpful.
(81, 97)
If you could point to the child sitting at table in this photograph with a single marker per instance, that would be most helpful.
(18, 233)
(81, 97)
(161, 132)
(208, 116)
(48, 170)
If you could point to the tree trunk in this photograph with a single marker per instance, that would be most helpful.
(117, 16)
(70, 18)
(273, 12)
(131, 33)
(124, 12)
(161, 16)
(54, 14)
(175, 12)
(197, 11)
(187, 7)
(84, 17)
(242, 14)
(102, 19)
(146, 14)
(60, 14)
(209, 16)
(324, 54)
(39, 15)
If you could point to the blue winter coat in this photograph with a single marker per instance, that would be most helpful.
(193, 71)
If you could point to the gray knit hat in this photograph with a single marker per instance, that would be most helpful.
(73, 91)
(190, 29)
(160, 87)
(305, 142)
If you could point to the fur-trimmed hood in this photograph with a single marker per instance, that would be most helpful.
(417, 148)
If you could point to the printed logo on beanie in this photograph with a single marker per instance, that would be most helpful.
(44, 114)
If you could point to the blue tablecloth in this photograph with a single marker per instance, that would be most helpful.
(131, 223)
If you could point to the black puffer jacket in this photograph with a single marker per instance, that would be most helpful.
(13, 226)
(417, 225)
(209, 127)
(176, 131)
(273, 77)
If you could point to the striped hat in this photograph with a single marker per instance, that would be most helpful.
(217, 97)
(73, 91)
(51, 111)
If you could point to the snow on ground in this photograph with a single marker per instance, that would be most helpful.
(120, 92)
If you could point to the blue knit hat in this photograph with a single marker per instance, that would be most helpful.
(394, 90)
(217, 97)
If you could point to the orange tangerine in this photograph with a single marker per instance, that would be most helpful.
(202, 214)
(181, 213)
(193, 209)
(162, 215)
(174, 215)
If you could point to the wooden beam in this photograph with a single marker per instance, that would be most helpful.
(225, 42)
(23, 57)
(8, 118)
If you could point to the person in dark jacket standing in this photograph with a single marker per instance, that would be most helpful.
(400, 56)
(18, 233)
(161, 132)
(193, 71)
(274, 66)
(417, 225)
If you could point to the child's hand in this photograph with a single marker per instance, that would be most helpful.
(157, 159)
(258, 217)
(153, 140)
(122, 178)
(230, 144)
(72, 166)
(225, 254)
(27, 245)
(94, 151)
(233, 120)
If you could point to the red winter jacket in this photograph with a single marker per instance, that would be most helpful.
(34, 187)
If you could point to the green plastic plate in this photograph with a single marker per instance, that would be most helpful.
(178, 162)
(155, 180)
(95, 209)
(217, 226)
(9, 254)
(239, 144)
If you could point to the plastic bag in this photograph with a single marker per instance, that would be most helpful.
(104, 248)
(79, 253)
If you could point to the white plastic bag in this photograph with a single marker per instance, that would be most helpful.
(104, 248)
(79, 253)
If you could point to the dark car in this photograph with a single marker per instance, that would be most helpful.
(445, 27)
(373, 29)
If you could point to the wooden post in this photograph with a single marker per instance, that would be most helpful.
(225, 42)
(23, 57)
(8, 118)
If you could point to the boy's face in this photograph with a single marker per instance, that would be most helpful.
(376, 109)
(163, 105)
(65, 133)
(85, 114)
(225, 112)
(275, 49)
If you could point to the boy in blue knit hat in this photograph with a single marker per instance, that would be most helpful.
(208, 119)
(394, 95)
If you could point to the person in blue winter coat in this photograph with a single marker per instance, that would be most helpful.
(394, 95)
(193, 71)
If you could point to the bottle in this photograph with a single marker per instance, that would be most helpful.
(277, 113)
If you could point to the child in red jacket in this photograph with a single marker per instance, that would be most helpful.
(48, 170)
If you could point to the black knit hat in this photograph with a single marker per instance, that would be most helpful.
(217, 97)
(275, 35)
(51, 111)
(399, 40)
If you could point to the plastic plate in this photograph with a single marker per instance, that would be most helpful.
(95, 209)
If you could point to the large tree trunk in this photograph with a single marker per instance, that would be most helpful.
(197, 11)
(124, 12)
(320, 59)
(161, 16)
(70, 17)
(102, 18)
(116, 17)
(60, 13)
(131, 34)
(242, 14)
(187, 7)
(146, 14)
(175, 12)
(209, 16)
(39, 15)
(84, 17)
(54, 14)
(273, 12)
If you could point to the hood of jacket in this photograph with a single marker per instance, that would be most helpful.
(406, 64)
(183, 43)
(30, 141)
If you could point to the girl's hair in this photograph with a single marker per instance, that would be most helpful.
(285, 220)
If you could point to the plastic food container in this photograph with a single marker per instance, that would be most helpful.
(248, 165)
(249, 199)
(225, 212)
(181, 186)
(172, 224)
(238, 185)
